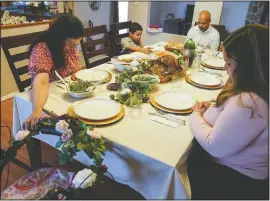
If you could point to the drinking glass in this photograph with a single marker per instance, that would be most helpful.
(186, 57)
(197, 61)
(176, 84)
(135, 111)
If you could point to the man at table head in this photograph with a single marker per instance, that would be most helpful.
(204, 34)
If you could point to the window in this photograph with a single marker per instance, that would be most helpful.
(123, 14)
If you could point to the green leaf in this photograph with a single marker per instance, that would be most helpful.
(83, 125)
(70, 159)
(85, 139)
(65, 148)
(80, 146)
(58, 144)
(93, 145)
(90, 127)
(63, 158)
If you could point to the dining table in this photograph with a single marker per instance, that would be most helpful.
(148, 156)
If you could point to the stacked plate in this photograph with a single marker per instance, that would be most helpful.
(204, 80)
(92, 75)
(214, 63)
(97, 111)
(173, 102)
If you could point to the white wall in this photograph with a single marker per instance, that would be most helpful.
(215, 8)
(140, 12)
(160, 9)
(83, 11)
(234, 14)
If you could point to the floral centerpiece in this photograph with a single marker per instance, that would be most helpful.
(131, 93)
(74, 136)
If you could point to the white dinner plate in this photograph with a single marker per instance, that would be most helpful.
(205, 79)
(126, 56)
(91, 75)
(217, 63)
(143, 55)
(159, 30)
(175, 100)
(97, 109)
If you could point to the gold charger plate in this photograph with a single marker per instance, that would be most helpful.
(203, 86)
(212, 67)
(108, 78)
(155, 104)
(99, 122)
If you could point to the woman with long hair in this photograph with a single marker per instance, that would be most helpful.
(230, 156)
(55, 50)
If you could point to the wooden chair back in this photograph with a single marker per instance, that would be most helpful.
(10, 46)
(95, 51)
(221, 29)
(116, 36)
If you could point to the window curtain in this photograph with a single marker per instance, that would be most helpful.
(114, 12)
(257, 12)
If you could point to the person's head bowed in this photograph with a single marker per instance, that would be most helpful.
(66, 28)
(246, 55)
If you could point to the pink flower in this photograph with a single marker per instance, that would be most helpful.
(61, 126)
(21, 135)
(94, 134)
(67, 134)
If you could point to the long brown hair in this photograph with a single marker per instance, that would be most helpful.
(249, 47)
(66, 26)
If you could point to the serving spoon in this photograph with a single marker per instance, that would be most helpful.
(92, 88)
(66, 85)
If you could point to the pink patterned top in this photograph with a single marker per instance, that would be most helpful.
(41, 61)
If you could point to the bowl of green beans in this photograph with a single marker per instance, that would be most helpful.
(77, 89)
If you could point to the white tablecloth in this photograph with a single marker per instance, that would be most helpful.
(148, 156)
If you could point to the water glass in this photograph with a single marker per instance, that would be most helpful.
(176, 85)
(135, 111)
(197, 60)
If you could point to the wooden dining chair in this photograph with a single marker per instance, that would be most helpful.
(16, 49)
(116, 36)
(101, 52)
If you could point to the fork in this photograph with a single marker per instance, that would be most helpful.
(164, 113)
(180, 121)
(213, 73)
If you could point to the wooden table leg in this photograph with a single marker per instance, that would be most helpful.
(34, 153)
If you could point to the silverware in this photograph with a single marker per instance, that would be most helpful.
(181, 124)
(64, 82)
(92, 88)
(180, 121)
(210, 72)
(60, 86)
(216, 55)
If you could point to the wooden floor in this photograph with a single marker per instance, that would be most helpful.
(109, 190)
